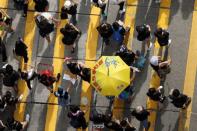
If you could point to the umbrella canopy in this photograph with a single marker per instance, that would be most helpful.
(110, 75)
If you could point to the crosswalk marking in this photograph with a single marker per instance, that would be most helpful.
(129, 21)
(29, 40)
(91, 46)
(52, 110)
(155, 80)
(190, 75)
(3, 4)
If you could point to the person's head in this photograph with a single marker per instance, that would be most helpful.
(151, 90)
(42, 77)
(67, 4)
(174, 93)
(8, 94)
(159, 31)
(60, 91)
(9, 69)
(115, 25)
(86, 71)
(24, 75)
(140, 28)
(71, 65)
(74, 108)
(138, 109)
(123, 123)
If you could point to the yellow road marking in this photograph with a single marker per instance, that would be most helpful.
(129, 21)
(163, 20)
(22, 87)
(3, 4)
(52, 110)
(91, 46)
(189, 83)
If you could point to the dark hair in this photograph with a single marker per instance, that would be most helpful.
(8, 94)
(10, 120)
(123, 123)
(115, 25)
(9, 69)
(158, 31)
(175, 93)
(74, 108)
(151, 90)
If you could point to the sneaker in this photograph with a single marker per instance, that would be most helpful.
(169, 42)
(72, 50)
(27, 118)
(58, 77)
(20, 97)
(121, 11)
(187, 103)
(150, 46)
(157, 1)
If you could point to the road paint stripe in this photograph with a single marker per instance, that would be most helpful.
(129, 21)
(190, 75)
(163, 21)
(52, 110)
(91, 48)
(22, 86)
(3, 4)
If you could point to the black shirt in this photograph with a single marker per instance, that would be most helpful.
(143, 115)
(143, 32)
(10, 79)
(162, 38)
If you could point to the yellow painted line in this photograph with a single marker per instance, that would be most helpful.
(189, 83)
(22, 87)
(129, 21)
(52, 110)
(91, 46)
(163, 21)
(3, 4)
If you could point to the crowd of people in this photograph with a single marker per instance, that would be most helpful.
(116, 31)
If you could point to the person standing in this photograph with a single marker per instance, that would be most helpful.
(141, 115)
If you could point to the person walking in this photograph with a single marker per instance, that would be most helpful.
(3, 50)
(156, 94)
(118, 31)
(144, 35)
(160, 66)
(101, 4)
(162, 36)
(10, 79)
(70, 7)
(141, 115)
(46, 24)
(106, 31)
(21, 49)
(47, 79)
(13, 124)
(77, 119)
(70, 35)
(179, 100)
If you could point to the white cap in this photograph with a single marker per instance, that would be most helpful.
(67, 4)
(139, 109)
(154, 60)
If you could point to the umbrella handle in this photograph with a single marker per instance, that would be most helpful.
(108, 71)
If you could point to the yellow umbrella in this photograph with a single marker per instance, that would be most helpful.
(110, 76)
